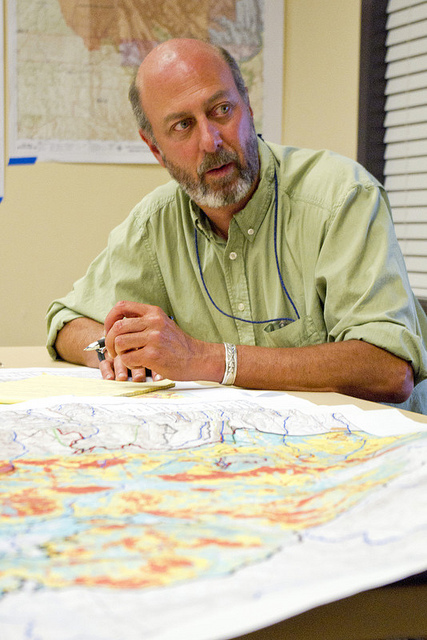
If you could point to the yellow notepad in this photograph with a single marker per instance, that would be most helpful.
(47, 385)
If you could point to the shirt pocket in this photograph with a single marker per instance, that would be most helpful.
(300, 333)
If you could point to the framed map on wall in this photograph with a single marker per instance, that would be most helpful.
(71, 63)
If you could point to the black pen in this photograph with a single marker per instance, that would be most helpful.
(99, 347)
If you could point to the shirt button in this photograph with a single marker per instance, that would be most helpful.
(251, 232)
(241, 306)
(233, 255)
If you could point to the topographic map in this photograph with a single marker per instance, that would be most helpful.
(171, 517)
(71, 63)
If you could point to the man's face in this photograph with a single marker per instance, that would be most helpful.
(204, 133)
(224, 190)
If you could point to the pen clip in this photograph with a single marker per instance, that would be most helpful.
(98, 345)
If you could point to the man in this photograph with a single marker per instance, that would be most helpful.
(288, 254)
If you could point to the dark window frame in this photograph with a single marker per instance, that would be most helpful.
(371, 148)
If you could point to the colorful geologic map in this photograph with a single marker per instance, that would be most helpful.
(125, 508)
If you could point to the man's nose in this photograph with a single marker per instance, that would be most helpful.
(210, 137)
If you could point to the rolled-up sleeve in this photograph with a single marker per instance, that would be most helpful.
(362, 279)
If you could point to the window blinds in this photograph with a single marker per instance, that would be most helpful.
(406, 132)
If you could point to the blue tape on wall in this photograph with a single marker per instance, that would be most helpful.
(13, 161)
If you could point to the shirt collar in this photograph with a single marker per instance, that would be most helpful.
(251, 217)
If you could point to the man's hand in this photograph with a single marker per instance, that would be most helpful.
(76, 335)
(142, 335)
(115, 369)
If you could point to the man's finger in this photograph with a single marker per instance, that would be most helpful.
(156, 376)
(124, 309)
(107, 369)
(139, 375)
(120, 369)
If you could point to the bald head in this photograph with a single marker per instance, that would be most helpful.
(178, 53)
(172, 58)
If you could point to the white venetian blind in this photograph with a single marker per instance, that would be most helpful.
(406, 133)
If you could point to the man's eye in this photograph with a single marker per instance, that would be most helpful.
(223, 109)
(182, 125)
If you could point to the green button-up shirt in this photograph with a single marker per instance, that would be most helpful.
(322, 267)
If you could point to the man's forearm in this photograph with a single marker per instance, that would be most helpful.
(351, 367)
(74, 337)
(143, 336)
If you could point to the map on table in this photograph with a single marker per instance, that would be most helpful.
(161, 517)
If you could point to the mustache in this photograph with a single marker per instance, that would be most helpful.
(217, 159)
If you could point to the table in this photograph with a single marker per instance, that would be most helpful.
(39, 357)
(395, 611)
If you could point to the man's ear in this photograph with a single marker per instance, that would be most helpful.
(153, 147)
(248, 102)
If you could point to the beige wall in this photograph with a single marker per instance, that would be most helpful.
(55, 217)
(321, 83)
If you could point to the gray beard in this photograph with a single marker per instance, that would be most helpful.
(205, 196)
